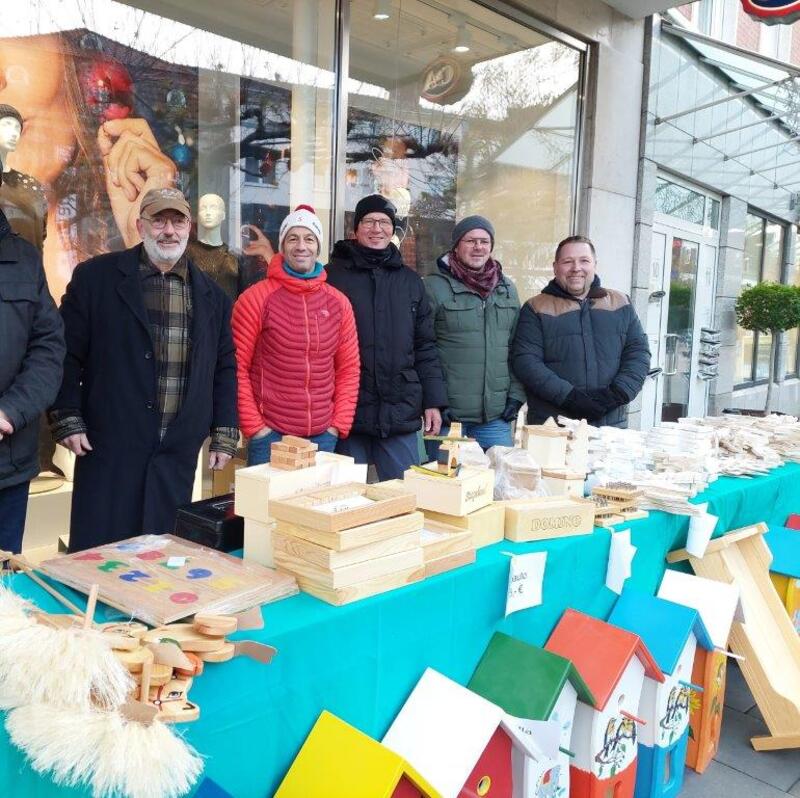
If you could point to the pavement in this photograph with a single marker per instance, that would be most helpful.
(738, 771)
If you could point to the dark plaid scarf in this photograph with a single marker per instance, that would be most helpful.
(481, 281)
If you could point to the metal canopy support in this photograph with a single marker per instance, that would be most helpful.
(698, 139)
(760, 149)
(745, 93)
(786, 165)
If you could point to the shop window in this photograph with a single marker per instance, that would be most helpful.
(471, 113)
(763, 261)
(117, 100)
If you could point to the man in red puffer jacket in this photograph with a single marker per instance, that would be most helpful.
(296, 347)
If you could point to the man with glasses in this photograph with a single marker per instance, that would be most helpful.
(475, 309)
(149, 374)
(401, 379)
(580, 349)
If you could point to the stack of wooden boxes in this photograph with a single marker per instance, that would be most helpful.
(257, 486)
(463, 502)
(348, 542)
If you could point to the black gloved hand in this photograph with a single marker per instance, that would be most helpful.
(579, 404)
(511, 410)
(609, 398)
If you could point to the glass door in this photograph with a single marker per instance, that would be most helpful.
(680, 335)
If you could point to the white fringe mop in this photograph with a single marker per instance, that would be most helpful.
(65, 688)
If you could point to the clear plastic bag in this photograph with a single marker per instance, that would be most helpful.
(517, 474)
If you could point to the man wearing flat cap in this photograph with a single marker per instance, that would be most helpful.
(402, 388)
(149, 374)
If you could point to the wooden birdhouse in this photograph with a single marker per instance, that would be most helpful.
(613, 663)
(338, 761)
(466, 746)
(534, 684)
(672, 633)
(784, 544)
(717, 603)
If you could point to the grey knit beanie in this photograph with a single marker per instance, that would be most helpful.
(9, 110)
(472, 223)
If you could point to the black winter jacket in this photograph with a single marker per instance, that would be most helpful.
(31, 353)
(400, 370)
(132, 482)
(563, 343)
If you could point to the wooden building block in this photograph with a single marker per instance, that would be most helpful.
(347, 539)
(347, 575)
(767, 640)
(255, 486)
(329, 558)
(439, 541)
(472, 489)
(373, 587)
(487, 524)
(547, 443)
(607, 521)
(449, 562)
(343, 506)
(258, 542)
(561, 482)
(634, 515)
(548, 517)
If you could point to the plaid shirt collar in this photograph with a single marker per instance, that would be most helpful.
(147, 269)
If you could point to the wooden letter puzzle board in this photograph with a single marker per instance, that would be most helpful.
(161, 578)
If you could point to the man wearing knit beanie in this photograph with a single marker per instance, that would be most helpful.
(475, 308)
(401, 378)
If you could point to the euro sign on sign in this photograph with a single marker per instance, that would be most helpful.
(773, 12)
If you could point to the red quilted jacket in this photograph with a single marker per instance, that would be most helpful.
(296, 355)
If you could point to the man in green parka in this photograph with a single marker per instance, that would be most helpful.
(475, 309)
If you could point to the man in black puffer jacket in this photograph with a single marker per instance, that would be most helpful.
(579, 349)
(401, 377)
(31, 364)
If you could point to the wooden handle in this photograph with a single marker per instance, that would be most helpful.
(88, 618)
(147, 674)
(18, 561)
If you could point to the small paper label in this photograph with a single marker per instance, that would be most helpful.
(701, 528)
(620, 560)
(525, 577)
(176, 562)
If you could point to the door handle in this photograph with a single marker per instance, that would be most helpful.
(671, 358)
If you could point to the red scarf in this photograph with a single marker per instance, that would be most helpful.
(482, 281)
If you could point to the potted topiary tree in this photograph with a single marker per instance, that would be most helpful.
(769, 308)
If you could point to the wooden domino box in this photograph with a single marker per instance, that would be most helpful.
(470, 490)
(548, 517)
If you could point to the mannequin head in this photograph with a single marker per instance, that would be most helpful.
(210, 211)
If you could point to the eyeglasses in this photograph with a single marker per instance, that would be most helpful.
(159, 223)
(477, 242)
(384, 224)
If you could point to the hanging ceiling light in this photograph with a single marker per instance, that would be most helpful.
(382, 10)
(463, 39)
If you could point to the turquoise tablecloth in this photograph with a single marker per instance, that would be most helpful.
(361, 661)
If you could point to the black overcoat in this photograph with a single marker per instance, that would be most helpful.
(132, 483)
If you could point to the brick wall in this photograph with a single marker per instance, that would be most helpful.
(747, 31)
(794, 56)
